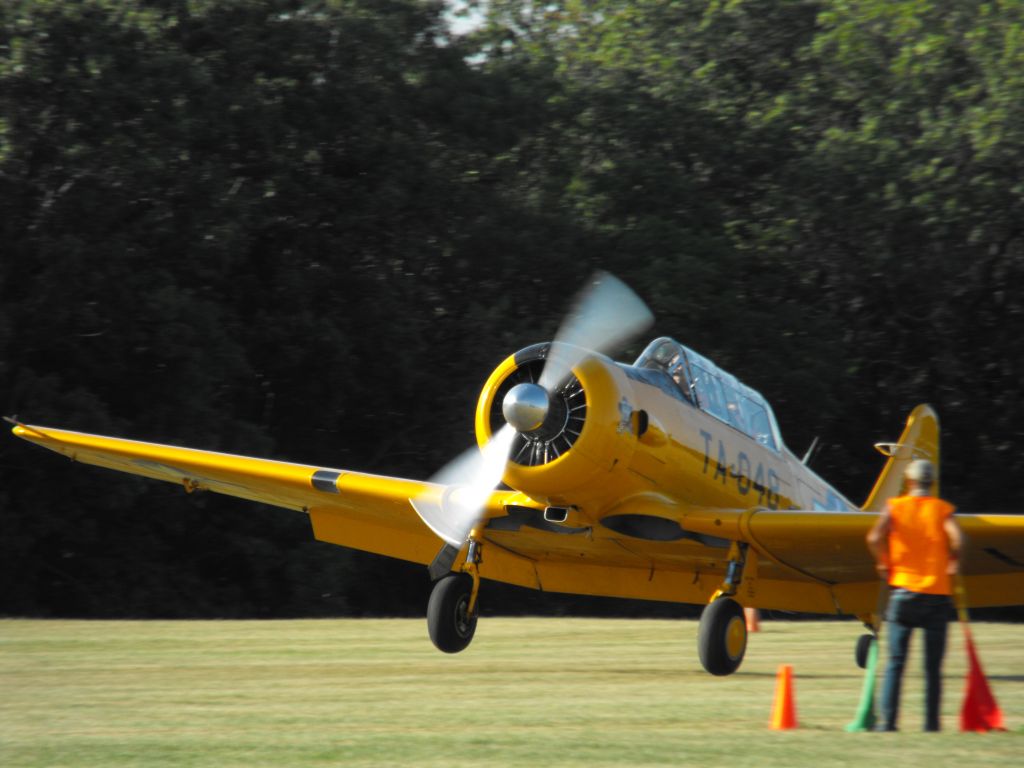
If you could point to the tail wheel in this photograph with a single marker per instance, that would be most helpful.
(449, 622)
(722, 636)
(862, 650)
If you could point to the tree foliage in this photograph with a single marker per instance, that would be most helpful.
(310, 229)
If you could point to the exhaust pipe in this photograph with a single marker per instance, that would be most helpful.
(558, 515)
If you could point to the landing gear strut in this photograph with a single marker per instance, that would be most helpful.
(452, 610)
(722, 635)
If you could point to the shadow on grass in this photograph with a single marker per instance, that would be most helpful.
(802, 676)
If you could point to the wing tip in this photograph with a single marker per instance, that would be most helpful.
(24, 430)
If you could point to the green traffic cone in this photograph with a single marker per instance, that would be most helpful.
(865, 719)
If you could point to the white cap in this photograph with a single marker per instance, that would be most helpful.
(920, 471)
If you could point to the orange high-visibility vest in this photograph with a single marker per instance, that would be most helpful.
(918, 544)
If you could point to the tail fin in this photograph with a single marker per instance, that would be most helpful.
(920, 440)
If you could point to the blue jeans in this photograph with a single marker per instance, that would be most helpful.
(908, 610)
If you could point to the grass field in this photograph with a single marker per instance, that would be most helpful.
(528, 692)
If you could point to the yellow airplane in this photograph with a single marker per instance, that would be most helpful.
(662, 480)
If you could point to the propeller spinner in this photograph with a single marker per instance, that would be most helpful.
(526, 406)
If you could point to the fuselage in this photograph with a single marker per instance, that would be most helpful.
(704, 461)
(671, 425)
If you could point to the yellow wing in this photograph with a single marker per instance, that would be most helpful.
(829, 547)
(359, 510)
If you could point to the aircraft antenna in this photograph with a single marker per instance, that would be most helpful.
(810, 451)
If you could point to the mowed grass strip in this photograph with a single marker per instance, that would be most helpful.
(528, 692)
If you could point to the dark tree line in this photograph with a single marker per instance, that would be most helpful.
(309, 230)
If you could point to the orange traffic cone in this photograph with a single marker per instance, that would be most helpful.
(753, 617)
(784, 711)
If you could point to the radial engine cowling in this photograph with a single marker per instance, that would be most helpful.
(582, 431)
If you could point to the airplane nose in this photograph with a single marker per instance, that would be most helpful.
(525, 407)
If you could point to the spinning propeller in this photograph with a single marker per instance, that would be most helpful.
(605, 315)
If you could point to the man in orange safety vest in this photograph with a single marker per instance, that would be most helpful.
(916, 544)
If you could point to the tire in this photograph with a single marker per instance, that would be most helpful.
(862, 650)
(451, 630)
(722, 636)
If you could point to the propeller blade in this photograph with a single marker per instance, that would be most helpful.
(468, 482)
(606, 314)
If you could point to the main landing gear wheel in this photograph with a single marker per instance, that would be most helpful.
(448, 621)
(863, 649)
(722, 636)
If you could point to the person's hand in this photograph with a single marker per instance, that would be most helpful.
(883, 571)
(953, 566)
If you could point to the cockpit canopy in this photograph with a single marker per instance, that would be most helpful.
(713, 390)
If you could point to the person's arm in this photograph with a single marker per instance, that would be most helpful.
(878, 542)
(956, 541)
